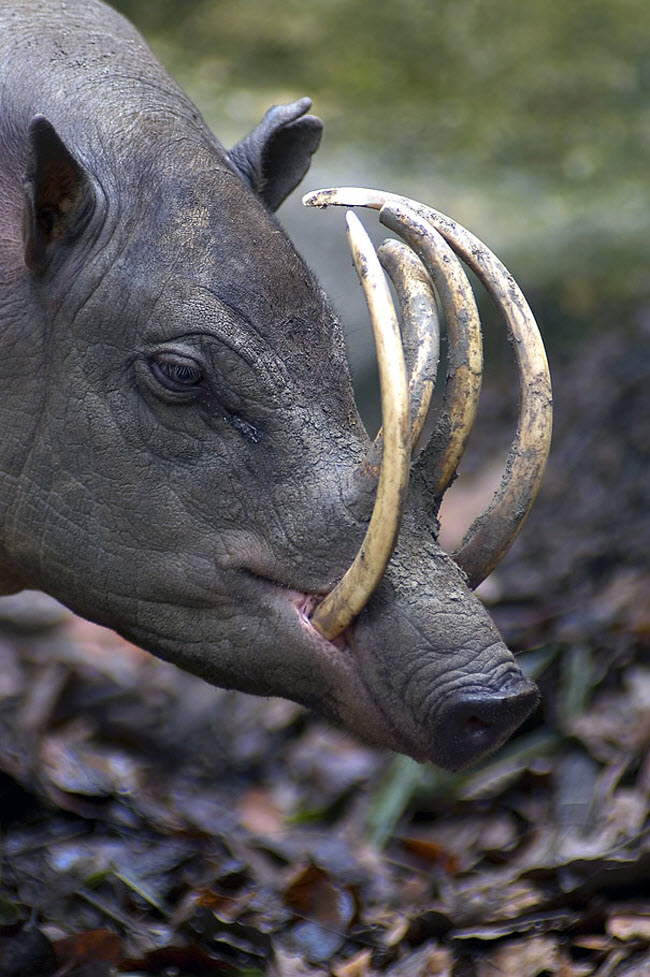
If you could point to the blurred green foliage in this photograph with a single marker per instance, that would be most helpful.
(529, 121)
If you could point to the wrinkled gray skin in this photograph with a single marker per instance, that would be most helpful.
(180, 454)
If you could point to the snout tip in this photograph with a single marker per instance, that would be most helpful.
(476, 723)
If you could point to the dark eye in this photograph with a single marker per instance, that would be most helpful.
(179, 374)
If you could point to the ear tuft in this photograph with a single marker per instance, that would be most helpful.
(275, 156)
(59, 196)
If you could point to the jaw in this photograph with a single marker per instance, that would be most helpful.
(356, 707)
(213, 634)
(379, 679)
(459, 716)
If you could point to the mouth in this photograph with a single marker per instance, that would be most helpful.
(340, 691)
(306, 606)
(471, 725)
(354, 706)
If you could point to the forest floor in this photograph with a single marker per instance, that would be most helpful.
(152, 825)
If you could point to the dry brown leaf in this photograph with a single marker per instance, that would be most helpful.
(76, 767)
(610, 967)
(571, 968)
(635, 966)
(176, 959)
(428, 961)
(432, 853)
(357, 966)
(440, 963)
(625, 599)
(313, 893)
(491, 897)
(259, 814)
(94, 947)
(287, 964)
(323, 909)
(522, 958)
(593, 942)
(629, 926)
(397, 931)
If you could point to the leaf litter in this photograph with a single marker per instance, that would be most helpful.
(152, 825)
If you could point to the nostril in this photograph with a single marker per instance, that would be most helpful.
(477, 722)
(477, 728)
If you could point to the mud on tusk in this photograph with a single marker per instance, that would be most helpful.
(420, 327)
(494, 531)
(465, 366)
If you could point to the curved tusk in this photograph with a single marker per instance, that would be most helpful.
(463, 387)
(353, 591)
(353, 197)
(420, 327)
(494, 531)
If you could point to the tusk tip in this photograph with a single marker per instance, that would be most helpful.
(345, 197)
(317, 198)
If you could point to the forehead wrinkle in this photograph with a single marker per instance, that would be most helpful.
(202, 315)
(233, 327)
(251, 345)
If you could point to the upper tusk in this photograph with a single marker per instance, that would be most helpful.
(352, 197)
(420, 327)
(465, 366)
(493, 532)
(353, 591)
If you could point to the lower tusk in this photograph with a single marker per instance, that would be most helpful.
(420, 328)
(353, 591)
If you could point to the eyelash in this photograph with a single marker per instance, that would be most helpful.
(176, 374)
(184, 379)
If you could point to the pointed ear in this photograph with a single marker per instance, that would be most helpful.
(59, 195)
(275, 156)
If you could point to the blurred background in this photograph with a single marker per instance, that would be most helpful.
(528, 123)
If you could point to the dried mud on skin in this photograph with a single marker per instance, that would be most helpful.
(153, 825)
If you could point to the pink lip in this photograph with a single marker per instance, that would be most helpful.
(306, 606)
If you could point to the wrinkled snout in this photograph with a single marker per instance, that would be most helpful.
(478, 721)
